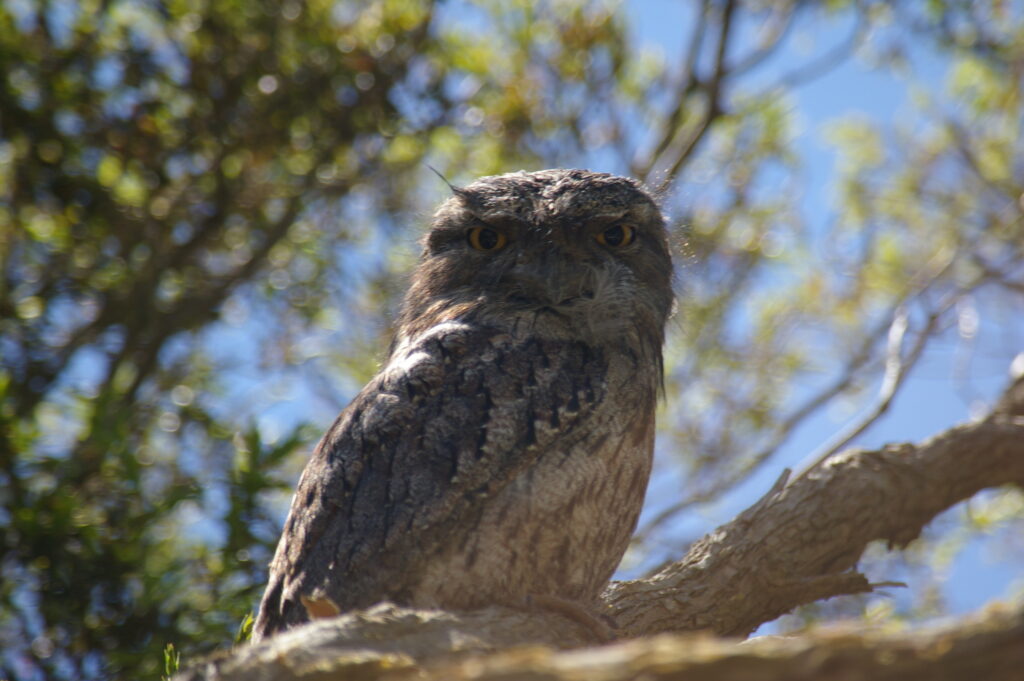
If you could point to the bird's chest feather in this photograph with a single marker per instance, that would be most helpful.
(561, 527)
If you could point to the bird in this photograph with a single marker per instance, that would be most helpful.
(501, 454)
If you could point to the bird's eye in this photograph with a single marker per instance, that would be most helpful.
(486, 239)
(618, 236)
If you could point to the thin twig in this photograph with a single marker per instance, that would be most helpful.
(897, 368)
(961, 140)
(827, 61)
(688, 82)
(777, 28)
(713, 106)
(921, 282)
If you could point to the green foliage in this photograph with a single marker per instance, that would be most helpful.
(172, 662)
(206, 208)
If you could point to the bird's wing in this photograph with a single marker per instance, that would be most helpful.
(447, 423)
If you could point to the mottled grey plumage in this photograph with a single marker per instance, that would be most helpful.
(503, 450)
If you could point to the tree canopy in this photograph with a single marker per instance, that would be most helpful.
(206, 212)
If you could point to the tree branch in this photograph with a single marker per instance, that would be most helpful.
(802, 544)
(798, 544)
(990, 648)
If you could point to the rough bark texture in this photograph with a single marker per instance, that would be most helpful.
(798, 544)
(990, 649)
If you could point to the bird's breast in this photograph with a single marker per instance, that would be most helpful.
(561, 527)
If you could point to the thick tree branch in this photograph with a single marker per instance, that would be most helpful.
(798, 544)
(990, 647)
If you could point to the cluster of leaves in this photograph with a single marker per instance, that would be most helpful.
(204, 208)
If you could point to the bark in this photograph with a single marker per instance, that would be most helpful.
(799, 543)
(991, 649)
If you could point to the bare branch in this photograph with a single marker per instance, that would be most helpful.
(682, 150)
(774, 31)
(688, 83)
(802, 544)
(962, 141)
(997, 274)
(991, 648)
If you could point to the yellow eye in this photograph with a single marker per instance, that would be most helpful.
(618, 236)
(486, 239)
